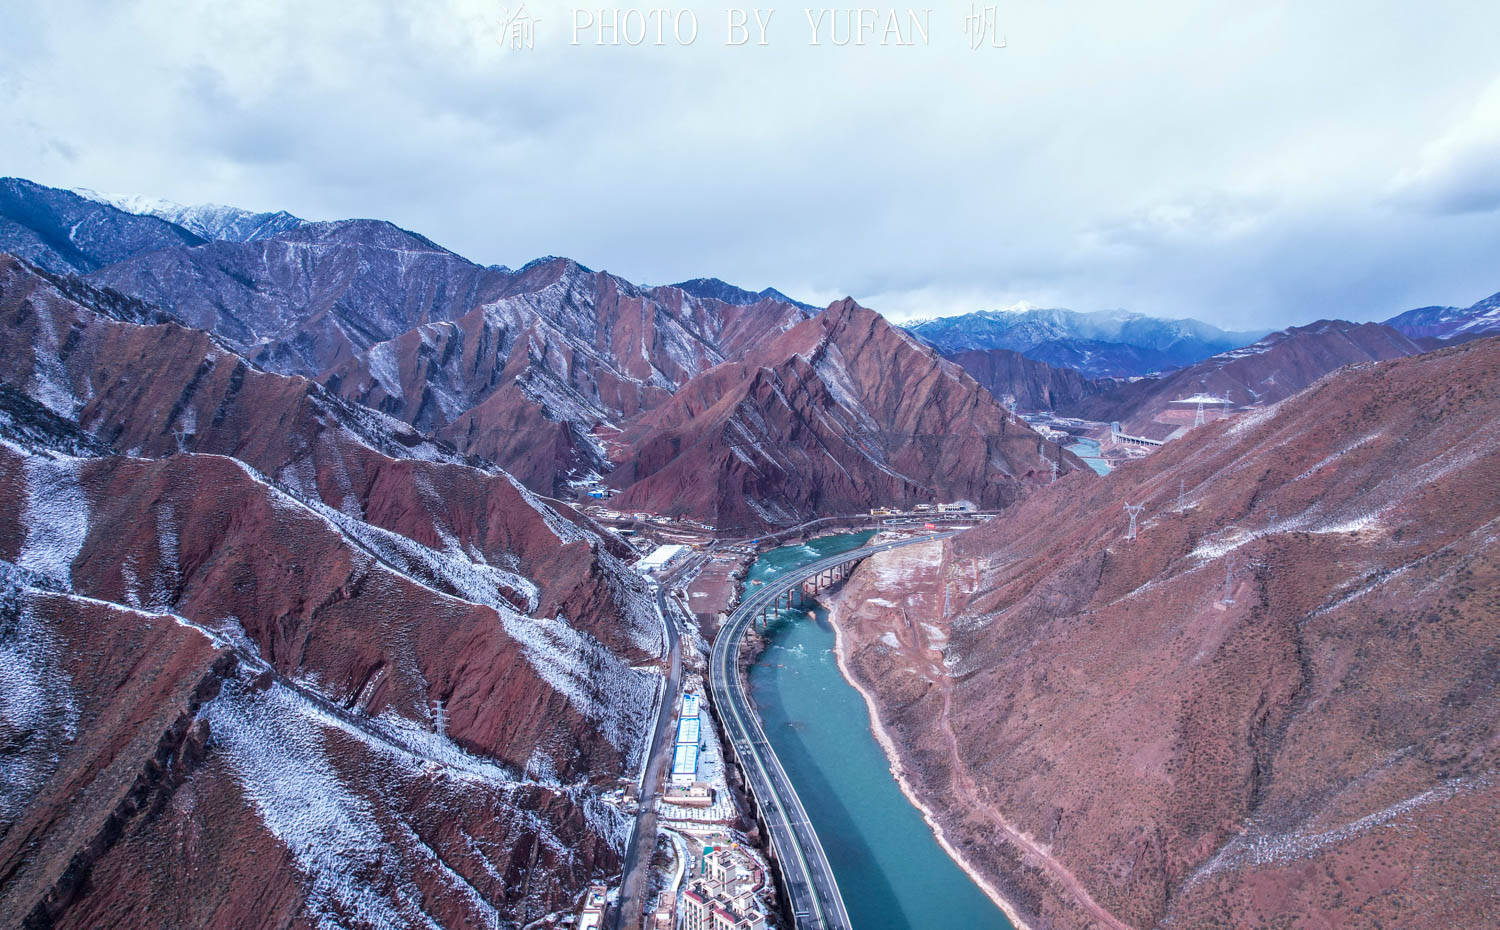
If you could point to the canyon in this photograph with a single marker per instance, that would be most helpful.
(307, 594)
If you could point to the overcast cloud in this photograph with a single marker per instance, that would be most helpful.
(1252, 164)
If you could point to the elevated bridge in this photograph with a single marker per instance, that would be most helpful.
(812, 891)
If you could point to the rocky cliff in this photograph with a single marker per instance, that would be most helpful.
(1276, 706)
(546, 369)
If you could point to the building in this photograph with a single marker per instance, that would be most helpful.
(660, 558)
(705, 906)
(695, 910)
(594, 902)
(698, 794)
(688, 730)
(719, 866)
(689, 705)
(685, 765)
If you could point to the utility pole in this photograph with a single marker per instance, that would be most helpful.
(1134, 510)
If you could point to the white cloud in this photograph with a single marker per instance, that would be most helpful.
(1233, 163)
(1459, 172)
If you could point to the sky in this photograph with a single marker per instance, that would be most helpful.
(1255, 165)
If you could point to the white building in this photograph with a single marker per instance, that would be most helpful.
(660, 558)
(685, 765)
(689, 705)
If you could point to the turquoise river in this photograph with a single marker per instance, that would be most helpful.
(891, 871)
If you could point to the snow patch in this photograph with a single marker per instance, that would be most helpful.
(283, 768)
(56, 517)
(38, 714)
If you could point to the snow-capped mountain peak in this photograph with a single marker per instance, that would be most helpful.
(211, 221)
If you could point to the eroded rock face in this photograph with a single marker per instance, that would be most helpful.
(263, 641)
(840, 413)
(1275, 707)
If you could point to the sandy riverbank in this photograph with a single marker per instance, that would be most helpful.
(898, 771)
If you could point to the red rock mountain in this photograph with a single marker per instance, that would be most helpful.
(262, 640)
(539, 369)
(1277, 706)
(839, 413)
(518, 367)
(532, 369)
(1276, 367)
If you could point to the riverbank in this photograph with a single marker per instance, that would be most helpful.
(891, 870)
(898, 769)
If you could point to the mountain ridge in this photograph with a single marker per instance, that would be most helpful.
(1271, 703)
(1108, 334)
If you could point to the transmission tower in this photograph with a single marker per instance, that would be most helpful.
(1181, 490)
(1134, 510)
(1228, 597)
(1198, 420)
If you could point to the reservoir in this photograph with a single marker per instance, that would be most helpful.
(891, 871)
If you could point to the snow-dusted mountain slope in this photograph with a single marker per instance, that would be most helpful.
(261, 640)
(211, 221)
(1450, 324)
(1110, 343)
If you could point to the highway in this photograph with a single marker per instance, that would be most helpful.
(810, 884)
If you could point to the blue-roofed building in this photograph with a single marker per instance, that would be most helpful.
(685, 764)
(689, 705)
(688, 730)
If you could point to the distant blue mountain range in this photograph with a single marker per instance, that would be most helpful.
(1108, 343)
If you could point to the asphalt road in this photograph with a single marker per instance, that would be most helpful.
(637, 865)
(814, 893)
